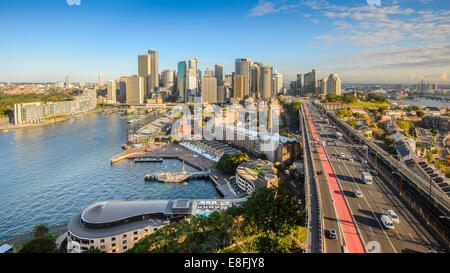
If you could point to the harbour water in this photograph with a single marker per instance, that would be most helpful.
(426, 103)
(49, 173)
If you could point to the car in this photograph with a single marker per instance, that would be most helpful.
(393, 216)
(363, 160)
(358, 193)
(319, 172)
(350, 158)
(342, 155)
(387, 223)
(332, 234)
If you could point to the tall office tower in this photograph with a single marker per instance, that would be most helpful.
(191, 80)
(144, 71)
(322, 86)
(299, 84)
(243, 67)
(154, 71)
(278, 84)
(239, 86)
(221, 93)
(256, 79)
(266, 82)
(218, 71)
(334, 84)
(293, 88)
(112, 91)
(100, 81)
(310, 82)
(209, 87)
(134, 90)
(67, 81)
(181, 81)
(168, 80)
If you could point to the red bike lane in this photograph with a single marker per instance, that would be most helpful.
(352, 239)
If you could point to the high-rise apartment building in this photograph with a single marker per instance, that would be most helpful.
(334, 84)
(310, 82)
(243, 67)
(154, 71)
(209, 87)
(111, 95)
(134, 90)
(239, 86)
(266, 82)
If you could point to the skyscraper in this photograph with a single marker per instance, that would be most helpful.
(218, 69)
(112, 91)
(191, 80)
(100, 81)
(67, 81)
(209, 87)
(256, 79)
(168, 80)
(134, 90)
(181, 81)
(322, 86)
(334, 84)
(239, 85)
(266, 82)
(299, 84)
(144, 71)
(278, 84)
(243, 67)
(154, 71)
(310, 82)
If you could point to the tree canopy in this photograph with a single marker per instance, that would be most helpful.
(228, 162)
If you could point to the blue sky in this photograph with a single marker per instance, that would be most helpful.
(361, 40)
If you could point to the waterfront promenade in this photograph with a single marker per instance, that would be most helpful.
(11, 126)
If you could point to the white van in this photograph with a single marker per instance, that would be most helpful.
(387, 223)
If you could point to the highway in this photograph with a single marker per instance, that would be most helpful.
(407, 236)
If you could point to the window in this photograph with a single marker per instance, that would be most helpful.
(124, 236)
(124, 242)
(135, 232)
(113, 250)
(113, 245)
(102, 247)
(102, 240)
(113, 239)
(135, 238)
(125, 247)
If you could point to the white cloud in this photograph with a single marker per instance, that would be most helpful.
(73, 2)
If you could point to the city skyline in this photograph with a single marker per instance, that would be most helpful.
(363, 41)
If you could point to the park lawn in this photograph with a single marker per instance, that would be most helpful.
(370, 104)
(53, 236)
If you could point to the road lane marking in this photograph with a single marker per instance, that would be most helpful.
(398, 235)
(412, 238)
(359, 206)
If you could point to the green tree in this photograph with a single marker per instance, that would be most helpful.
(228, 163)
(39, 245)
(351, 122)
(270, 244)
(272, 210)
(40, 230)
(420, 114)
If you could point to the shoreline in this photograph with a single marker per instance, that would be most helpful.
(15, 127)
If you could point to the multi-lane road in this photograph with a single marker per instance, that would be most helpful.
(410, 235)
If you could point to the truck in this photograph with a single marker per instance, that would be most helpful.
(366, 178)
